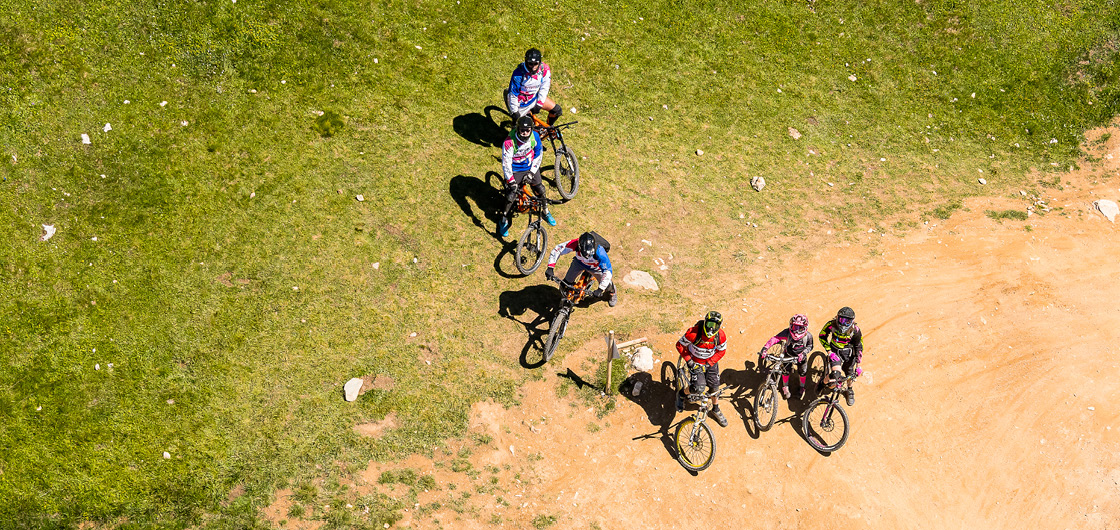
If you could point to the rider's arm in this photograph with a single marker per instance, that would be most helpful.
(560, 250)
(773, 340)
(605, 264)
(514, 95)
(508, 148)
(684, 345)
(546, 82)
(857, 344)
(537, 148)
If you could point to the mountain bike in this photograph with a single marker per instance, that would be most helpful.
(825, 424)
(570, 295)
(766, 398)
(532, 246)
(566, 170)
(696, 446)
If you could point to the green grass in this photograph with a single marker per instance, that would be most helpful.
(214, 207)
(1000, 215)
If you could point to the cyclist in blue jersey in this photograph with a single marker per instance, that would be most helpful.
(590, 256)
(521, 159)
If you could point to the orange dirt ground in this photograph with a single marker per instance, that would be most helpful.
(989, 399)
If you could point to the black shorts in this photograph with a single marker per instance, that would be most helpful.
(709, 376)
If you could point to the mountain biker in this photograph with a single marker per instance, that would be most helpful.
(844, 342)
(701, 347)
(590, 256)
(798, 341)
(528, 89)
(521, 159)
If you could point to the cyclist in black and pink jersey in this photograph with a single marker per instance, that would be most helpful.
(521, 159)
(844, 342)
(798, 341)
(590, 256)
(528, 89)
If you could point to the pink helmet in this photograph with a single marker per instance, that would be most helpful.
(798, 326)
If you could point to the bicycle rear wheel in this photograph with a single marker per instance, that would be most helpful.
(825, 425)
(696, 447)
(766, 406)
(555, 332)
(669, 376)
(566, 173)
(530, 249)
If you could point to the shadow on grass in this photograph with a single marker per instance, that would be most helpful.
(575, 378)
(658, 401)
(488, 200)
(482, 128)
(539, 300)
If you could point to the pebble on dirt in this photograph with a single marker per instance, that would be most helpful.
(1106, 207)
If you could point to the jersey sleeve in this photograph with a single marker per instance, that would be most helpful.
(507, 159)
(515, 81)
(546, 82)
(857, 344)
(684, 342)
(560, 250)
(605, 264)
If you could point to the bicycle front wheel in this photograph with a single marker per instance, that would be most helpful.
(696, 447)
(825, 425)
(530, 249)
(766, 406)
(555, 332)
(817, 374)
(566, 173)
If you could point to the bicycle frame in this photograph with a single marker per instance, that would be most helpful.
(779, 366)
(835, 390)
(552, 132)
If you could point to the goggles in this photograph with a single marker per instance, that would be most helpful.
(844, 321)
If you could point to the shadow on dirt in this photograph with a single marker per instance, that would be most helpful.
(540, 301)
(658, 401)
(482, 128)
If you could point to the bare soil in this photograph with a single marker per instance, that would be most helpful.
(989, 399)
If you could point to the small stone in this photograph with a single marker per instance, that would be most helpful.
(252, 194)
(171, 402)
(413, 334)
(166, 455)
(666, 107)
(107, 128)
(794, 133)
(852, 77)
(573, 109)
(360, 198)
(96, 366)
(698, 152)
(1023, 193)
(641, 279)
(163, 103)
(295, 288)
(642, 362)
(637, 391)
(511, 449)
(85, 138)
(351, 388)
(1106, 207)
(758, 183)
(981, 181)
(49, 231)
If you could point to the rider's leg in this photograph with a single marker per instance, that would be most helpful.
(573, 271)
(802, 372)
(554, 110)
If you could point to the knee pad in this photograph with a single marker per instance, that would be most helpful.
(556, 111)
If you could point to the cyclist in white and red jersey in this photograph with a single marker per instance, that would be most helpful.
(590, 256)
(521, 159)
(528, 89)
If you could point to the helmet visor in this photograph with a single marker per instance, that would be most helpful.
(844, 322)
(797, 329)
(711, 327)
(524, 132)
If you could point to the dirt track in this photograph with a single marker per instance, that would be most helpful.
(989, 399)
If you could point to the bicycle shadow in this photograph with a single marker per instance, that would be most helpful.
(536, 299)
(746, 383)
(488, 200)
(658, 401)
(481, 128)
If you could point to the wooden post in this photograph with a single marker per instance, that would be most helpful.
(610, 360)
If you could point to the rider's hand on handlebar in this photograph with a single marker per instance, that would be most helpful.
(859, 371)
(550, 274)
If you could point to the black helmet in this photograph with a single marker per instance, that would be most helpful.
(532, 57)
(712, 322)
(587, 245)
(845, 317)
(524, 128)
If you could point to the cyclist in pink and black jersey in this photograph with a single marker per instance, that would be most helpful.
(528, 89)
(798, 341)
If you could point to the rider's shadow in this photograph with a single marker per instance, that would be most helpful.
(744, 383)
(482, 128)
(488, 199)
(538, 300)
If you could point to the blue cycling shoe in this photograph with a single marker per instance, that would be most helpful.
(548, 218)
(503, 227)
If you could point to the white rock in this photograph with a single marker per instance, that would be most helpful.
(96, 366)
(376, 265)
(85, 138)
(511, 449)
(852, 77)
(640, 279)
(166, 455)
(573, 109)
(982, 181)
(1107, 208)
(758, 183)
(637, 391)
(666, 107)
(643, 360)
(49, 232)
(648, 242)
(698, 152)
(794, 133)
(352, 388)
(107, 128)
(163, 103)
(362, 198)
